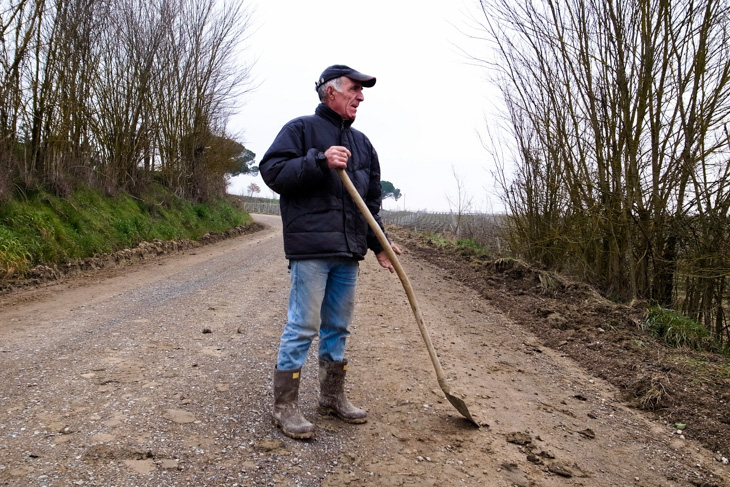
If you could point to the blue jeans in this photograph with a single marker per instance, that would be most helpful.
(321, 301)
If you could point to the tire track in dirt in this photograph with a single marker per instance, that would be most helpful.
(160, 375)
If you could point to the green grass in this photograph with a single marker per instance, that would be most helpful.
(42, 228)
(725, 367)
(437, 239)
(704, 369)
(470, 245)
(677, 330)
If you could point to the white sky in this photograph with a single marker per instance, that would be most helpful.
(422, 116)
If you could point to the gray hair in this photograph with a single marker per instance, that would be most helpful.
(335, 83)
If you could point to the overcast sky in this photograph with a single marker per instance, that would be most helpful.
(422, 116)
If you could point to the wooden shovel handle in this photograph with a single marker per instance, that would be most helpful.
(401, 274)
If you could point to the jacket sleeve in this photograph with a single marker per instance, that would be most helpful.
(287, 167)
(373, 199)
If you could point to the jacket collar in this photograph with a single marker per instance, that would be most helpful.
(326, 112)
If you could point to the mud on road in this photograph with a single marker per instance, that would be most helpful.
(159, 374)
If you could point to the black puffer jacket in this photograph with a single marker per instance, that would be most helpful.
(320, 218)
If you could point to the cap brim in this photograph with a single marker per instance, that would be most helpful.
(367, 81)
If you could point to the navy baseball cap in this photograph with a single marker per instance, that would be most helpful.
(337, 70)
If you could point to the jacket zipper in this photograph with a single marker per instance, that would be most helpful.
(342, 136)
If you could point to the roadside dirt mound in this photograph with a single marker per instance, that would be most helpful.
(677, 385)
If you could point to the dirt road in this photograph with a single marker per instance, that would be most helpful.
(159, 375)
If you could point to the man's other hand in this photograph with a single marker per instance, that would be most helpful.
(384, 260)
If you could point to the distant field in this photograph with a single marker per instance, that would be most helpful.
(482, 228)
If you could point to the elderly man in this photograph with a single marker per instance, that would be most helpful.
(325, 237)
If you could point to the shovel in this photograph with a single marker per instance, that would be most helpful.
(457, 402)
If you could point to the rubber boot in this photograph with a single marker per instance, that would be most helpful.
(332, 399)
(287, 415)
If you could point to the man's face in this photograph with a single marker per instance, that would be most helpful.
(345, 102)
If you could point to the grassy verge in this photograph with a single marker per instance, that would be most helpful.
(42, 228)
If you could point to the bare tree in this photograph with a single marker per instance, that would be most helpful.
(197, 89)
(618, 113)
(461, 204)
(123, 120)
(252, 189)
(19, 27)
(115, 93)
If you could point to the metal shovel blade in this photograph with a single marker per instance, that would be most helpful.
(460, 406)
(457, 402)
